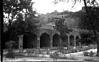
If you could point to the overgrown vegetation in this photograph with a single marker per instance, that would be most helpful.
(18, 19)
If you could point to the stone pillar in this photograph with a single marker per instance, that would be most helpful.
(80, 44)
(68, 41)
(74, 40)
(97, 40)
(60, 43)
(38, 42)
(51, 41)
(20, 41)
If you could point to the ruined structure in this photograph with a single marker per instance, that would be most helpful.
(49, 37)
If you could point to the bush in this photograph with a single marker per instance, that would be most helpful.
(10, 54)
(91, 53)
(88, 53)
(54, 55)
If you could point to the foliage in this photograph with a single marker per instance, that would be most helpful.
(61, 26)
(15, 7)
(90, 21)
(10, 54)
(87, 38)
(18, 23)
(10, 44)
(20, 17)
(91, 2)
(89, 53)
(90, 18)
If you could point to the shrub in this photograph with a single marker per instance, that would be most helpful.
(86, 53)
(10, 54)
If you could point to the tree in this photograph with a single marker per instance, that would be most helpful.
(13, 7)
(91, 14)
(92, 17)
(19, 15)
(91, 21)
(62, 27)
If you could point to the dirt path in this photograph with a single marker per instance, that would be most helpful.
(76, 57)
(40, 59)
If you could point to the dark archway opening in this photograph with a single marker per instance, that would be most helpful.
(77, 41)
(44, 40)
(29, 40)
(71, 40)
(10, 37)
(56, 40)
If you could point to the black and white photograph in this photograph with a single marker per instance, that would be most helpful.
(50, 31)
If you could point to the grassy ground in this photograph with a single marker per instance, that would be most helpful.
(48, 54)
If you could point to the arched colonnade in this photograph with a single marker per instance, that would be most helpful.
(50, 40)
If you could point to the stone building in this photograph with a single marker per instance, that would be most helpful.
(49, 37)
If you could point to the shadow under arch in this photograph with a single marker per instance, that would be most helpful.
(71, 40)
(29, 40)
(44, 40)
(77, 40)
(56, 40)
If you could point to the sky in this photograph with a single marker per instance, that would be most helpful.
(48, 6)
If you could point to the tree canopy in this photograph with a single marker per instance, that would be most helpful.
(90, 22)
(62, 27)
(19, 12)
(20, 18)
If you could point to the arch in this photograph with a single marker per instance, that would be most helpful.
(77, 37)
(29, 40)
(77, 40)
(56, 40)
(56, 33)
(71, 40)
(44, 40)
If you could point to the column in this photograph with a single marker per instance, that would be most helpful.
(51, 41)
(20, 41)
(68, 41)
(38, 42)
(74, 40)
(80, 42)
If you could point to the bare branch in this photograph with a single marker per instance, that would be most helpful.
(75, 1)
